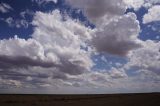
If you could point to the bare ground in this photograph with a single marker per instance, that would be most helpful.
(149, 99)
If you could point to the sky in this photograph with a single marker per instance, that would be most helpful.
(79, 46)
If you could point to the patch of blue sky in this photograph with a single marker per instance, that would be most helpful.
(133, 71)
(74, 13)
(107, 61)
(23, 5)
(6, 31)
(149, 31)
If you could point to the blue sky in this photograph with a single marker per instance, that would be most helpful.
(21, 6)
(65, 46)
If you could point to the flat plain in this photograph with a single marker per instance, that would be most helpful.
(144, 99)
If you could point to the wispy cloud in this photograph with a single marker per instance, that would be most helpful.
(40, 2)
(4, 8)
(17, 23)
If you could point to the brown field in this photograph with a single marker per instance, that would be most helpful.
(150, 99)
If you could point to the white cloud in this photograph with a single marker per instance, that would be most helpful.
(20, 47)
(119, 36)
(96, 10)
(54, 56)
(146, 58)
(137, 4)
(116, 33)
(66, 34)
(53, 51)
(64, 39)
(152, 15)
(117, 73)
(150, 3)
(4, 8)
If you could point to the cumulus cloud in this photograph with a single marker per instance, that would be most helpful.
(66, 34)
(59, 52)
(116, 32)
(119, 36)
(64, 40)
(146, 58)
(55, 46)
(152, 15)
(52, 57)
(4, 8)
(96, 10)
(21, 47)
(137, 4)
(150, 3)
